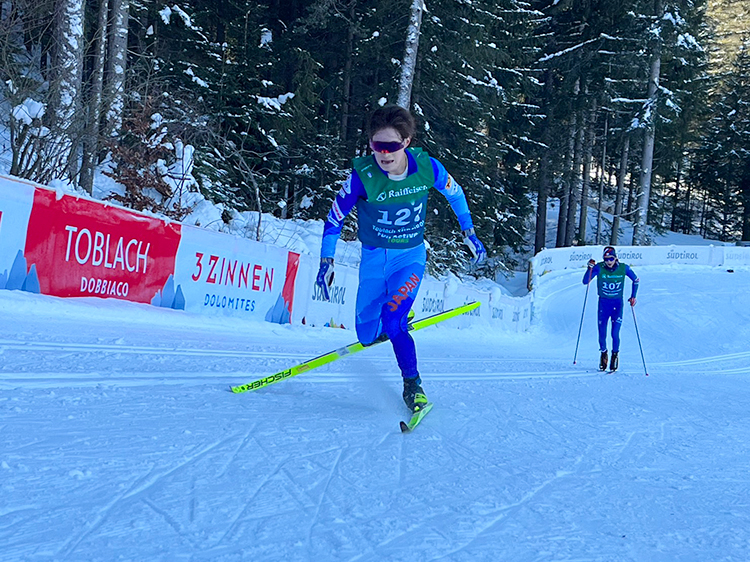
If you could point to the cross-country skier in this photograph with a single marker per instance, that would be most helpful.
(610, 274)
(389, 188)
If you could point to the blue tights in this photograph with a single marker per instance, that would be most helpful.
(388, 284)
(610, 309)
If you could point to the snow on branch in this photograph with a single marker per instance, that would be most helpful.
(628, 100)
(274, 103)
(29, 110)
(568, 50)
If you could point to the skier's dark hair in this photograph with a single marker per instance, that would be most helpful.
(392, 116)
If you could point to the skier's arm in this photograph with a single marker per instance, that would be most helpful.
(590, 273)
(342, 206)
(453, 192)
(634, 278)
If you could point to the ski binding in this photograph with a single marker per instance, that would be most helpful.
(416, 417)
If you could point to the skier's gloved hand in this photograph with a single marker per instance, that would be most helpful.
(591, 264)
(475, 246)
(324, 280)
(632, 301)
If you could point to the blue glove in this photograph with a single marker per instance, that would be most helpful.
(324, 280)
(475, 246)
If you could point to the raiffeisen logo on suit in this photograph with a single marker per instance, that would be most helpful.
(81, 251)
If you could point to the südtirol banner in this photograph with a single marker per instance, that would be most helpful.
(82, 248)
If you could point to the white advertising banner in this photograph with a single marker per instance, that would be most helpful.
(430, 298)
(736, 256)
(340, 310)
(16, 201)
(556, 259)
(461, 295)
(505, 312)
(67, 245)
(513, 313)
(219, 274)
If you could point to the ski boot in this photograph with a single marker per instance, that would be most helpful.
(603, 361)
(615, 361)
(414, 396)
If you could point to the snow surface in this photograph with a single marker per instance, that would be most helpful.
(120, 440)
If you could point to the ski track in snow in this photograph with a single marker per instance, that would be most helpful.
(122, 442)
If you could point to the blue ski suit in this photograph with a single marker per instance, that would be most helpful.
(611, 286)
(391, 217)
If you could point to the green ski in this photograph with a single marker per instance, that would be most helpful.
(416, 417)
(348, 350)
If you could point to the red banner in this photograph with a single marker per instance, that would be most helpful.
(81, 251)
(287, 293)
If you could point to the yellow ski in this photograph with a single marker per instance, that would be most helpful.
(348, 350)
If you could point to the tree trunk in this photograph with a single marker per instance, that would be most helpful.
(632, 195)
(687, 223)
(562, 217)
(66, 99)
(346, 86)
(601, 181)
(647, 161)
(575, 185)
(745, 198)
(621, 173)
(409, 63)
(91, 136)
(676, 200)
(540, 238)
(116, 66)
(541, 206)
(588, 142)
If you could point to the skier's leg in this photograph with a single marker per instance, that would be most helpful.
(616, 326)
(405, 270)
(602, 318)
(371, 294)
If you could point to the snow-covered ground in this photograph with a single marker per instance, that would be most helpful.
(120, 440)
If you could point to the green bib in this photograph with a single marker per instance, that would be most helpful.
(394, 213)
(611, 283)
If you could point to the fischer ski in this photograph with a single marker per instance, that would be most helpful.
(416, 417)
(348, 350)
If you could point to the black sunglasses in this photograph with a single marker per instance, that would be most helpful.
(387, 147)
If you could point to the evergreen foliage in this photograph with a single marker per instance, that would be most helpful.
(473, 69)
(722, 163)
(511, 95)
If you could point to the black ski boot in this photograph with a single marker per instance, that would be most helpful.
(603, 361)
(414, 396)
(615, 362)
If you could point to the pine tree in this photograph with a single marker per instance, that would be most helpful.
(597, 54)
(471, 94)
(722, 163)
(587, 62)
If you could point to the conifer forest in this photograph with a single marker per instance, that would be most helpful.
(638, 110)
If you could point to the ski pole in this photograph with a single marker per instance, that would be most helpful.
(639, 340)
(585, 298)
